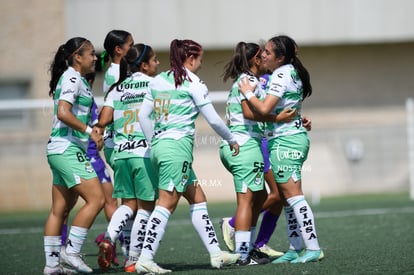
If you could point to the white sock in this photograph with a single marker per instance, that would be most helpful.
(118, 221)
(293, 230)
(306, 221)
(52, 249)
(252, 236)
(242, 242)
(204, 227)
(126, 233)
(156, 225)
(138, 234)
(76, 238)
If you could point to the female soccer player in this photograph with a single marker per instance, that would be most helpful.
(288, 143)
(116, 45)
(135, 182)
(73, 174)
(174, 100)
(248, 167)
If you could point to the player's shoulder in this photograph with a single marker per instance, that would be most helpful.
(72, 76)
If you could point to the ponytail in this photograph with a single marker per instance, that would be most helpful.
(287, 47)
(63, 59)
(241, 60)
(180, 50)
(132, 61)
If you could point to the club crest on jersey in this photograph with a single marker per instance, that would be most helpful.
(184, 180)
(89, 167)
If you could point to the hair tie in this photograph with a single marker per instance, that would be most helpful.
(102, 57)
(139, 59)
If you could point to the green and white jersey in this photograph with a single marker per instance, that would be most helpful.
(287, 86)
(73, 88)
(111, 76)
(175, 110)
(126, 100)
(241, 127)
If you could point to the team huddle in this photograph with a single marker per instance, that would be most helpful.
(146, 129)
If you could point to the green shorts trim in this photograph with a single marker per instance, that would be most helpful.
(134, 178)
(287, 155)
(172, 160)
(70, 167)
(247, 167)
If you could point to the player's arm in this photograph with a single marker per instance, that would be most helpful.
(262, 107)
(286, 115)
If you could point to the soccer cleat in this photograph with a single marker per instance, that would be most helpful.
(57, 270)
(75, 261)
(309, 256)
(222, 258)
(129, 265)
(270, 252)
(228, 233)
(247, 261)
(289, 256)
(259, 257)
(105, 254)
(100, 238)
(149, 267)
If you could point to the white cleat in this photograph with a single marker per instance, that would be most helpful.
(149, 267)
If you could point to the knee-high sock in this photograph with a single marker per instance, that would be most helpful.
(232, 221)
(155, 230)
(306, 221)
(138, 233)
(242, 243)
(64, 234)
(204, 227)
(267, 227)
(293, 230)
(76, 238)
(118, 221)
(125, 235)
(252, 235)
(52, 246)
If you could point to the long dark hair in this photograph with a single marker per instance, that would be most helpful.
(180, 50)
(285, 46)
(241, 60)
(64, 58)
(131, 63)
(113, 38)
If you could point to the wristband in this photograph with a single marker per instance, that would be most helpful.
(88, 130)
(249, 95)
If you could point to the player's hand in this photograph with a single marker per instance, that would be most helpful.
(287, 115)
(97, 138)
(244, 85)
(307, 123)
(236, 148)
